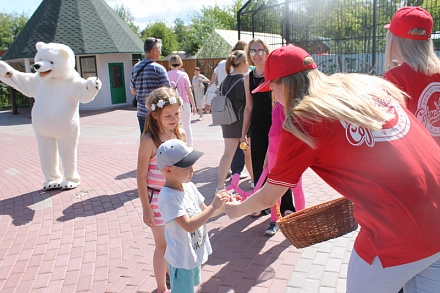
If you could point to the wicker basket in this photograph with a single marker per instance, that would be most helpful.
(318, 223)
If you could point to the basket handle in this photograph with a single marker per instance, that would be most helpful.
(277, 209)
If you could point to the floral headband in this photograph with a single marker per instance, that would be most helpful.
(162, 102)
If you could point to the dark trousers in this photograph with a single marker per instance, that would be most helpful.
(237, 164)
(287, 202)
(141, 121)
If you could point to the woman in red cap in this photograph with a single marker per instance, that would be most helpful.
(355, 132)
(417, 70)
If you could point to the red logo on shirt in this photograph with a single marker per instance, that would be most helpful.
(391, 130)
(428, 108)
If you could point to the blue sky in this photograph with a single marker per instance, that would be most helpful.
(144, 11)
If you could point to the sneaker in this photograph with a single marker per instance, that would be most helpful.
(217, 190)
(229, 174)
(261, 213)
(273, 228)
(199, 119)
(252, 185)
(287, 212)
(243, 175)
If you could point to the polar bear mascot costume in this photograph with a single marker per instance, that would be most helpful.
(58, 89)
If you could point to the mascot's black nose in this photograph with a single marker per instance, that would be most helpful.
(36, 66)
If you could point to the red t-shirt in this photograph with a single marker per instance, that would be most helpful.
(391, 175)
(424, 91)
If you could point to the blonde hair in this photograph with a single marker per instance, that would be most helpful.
(234, 60)
(418, 54)
(255, 40)
(174, 60)
(311, 96)
(152, 122)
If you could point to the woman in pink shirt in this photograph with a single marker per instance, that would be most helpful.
(180, 81)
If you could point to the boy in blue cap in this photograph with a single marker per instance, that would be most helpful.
(185, 214)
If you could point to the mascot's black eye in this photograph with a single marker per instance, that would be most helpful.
(51, 62)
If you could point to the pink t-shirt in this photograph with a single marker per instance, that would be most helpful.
(391, 175)
(424, 91)
(182, 84)
(275, 131)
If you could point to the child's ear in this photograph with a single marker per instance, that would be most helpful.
(167, 170)
(154, 114)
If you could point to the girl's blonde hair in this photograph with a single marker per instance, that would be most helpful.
(152, 122)
(175, 60)
(418, 54)
(255, 40)
(311, 96)
(234, 60)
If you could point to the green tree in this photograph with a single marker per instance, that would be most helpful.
(159, 30)
(10, 26)
(126, 16)
(180, 30)
(433, 6)
(205, 21)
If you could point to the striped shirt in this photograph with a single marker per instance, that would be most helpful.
(152, 77)
(155, 181)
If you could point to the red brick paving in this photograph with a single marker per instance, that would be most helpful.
(92, 238)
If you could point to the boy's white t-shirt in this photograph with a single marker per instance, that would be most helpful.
(184, 250)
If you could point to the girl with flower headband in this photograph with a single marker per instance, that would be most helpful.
(162, 124)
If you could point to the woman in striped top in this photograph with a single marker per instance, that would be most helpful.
(162, 124)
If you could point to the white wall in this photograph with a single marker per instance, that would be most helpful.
(103, 98)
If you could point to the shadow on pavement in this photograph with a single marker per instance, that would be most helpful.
(97, 205)
(242, 250)
(22, 118)
(18, 208)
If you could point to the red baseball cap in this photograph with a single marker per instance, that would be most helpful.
(282, 62)
(408, 18)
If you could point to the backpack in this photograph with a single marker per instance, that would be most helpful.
(175, 86)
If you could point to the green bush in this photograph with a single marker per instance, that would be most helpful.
(5, 101)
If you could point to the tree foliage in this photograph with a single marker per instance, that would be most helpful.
(205, 21)
(127, 17)
(159, 30)
(10, 26)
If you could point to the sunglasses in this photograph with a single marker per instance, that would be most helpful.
(253, 52)
(156, 41)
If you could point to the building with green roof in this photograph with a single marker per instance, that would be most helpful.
(103, 44)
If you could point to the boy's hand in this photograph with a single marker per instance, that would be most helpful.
(220, 198)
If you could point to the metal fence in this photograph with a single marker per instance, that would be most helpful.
(341, 35)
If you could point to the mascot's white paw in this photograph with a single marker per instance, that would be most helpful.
(93, 84)
(67, 184)
(5, 69)
(52, 184)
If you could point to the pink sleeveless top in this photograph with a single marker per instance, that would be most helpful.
(155, 181)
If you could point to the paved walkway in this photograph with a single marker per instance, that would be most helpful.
(92, 239)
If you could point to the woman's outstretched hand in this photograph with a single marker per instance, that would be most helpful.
(232, 208)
